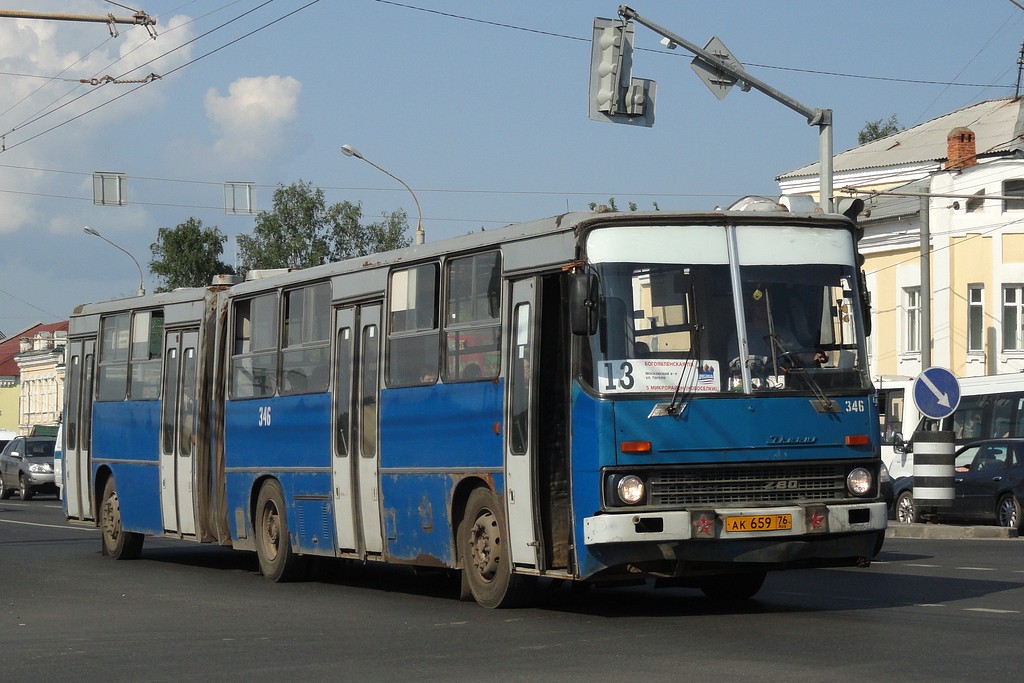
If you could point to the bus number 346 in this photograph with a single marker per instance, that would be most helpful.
(264, 420)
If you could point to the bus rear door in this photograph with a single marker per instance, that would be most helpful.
(77, 492)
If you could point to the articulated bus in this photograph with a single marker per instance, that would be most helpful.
(991, 406)
(563, 399)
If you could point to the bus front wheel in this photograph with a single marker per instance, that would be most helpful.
(273, 543)
(483, 549)
(117, 543)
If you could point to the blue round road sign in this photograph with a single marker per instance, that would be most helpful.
(936, 393)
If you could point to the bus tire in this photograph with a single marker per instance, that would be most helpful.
(117, 543)
(1008, 512)
(273, 542)
(484, 554)
(733, 587)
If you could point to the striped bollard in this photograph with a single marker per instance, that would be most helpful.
(933, 469)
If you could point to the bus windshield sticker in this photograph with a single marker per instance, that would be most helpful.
(637, 375)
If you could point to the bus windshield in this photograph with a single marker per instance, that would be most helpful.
(684, 311)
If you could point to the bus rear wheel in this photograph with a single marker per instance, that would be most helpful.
(117, 543)
(273, 542)
(484, 554)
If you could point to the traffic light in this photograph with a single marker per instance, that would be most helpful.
(611, 62)
(614, 94)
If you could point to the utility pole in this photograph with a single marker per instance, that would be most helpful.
(138, 19)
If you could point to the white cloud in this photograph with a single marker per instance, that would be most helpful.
(254, 115)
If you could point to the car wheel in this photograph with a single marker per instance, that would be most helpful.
(1008, 513)
(24, 490)
(906, 512)
(5, 492)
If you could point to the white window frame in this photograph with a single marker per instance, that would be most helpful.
(976, 314)
(1013, 315)
(912, 320)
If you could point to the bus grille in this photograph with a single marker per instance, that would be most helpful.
(744, 485)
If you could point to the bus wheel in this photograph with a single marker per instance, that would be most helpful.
(117, 543)
(733, 587)
(1008, 512)
(486, 565)
(273, 543)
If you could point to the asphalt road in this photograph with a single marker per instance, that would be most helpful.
(926, 610)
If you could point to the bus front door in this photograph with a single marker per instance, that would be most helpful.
(178, 431)
(355, 459)
(521, 420)
(78, 430)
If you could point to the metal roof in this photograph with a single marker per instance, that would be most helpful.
(997, 125)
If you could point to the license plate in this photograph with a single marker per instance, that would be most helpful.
(759, 523)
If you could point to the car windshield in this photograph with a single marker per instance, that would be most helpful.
(39, 448)
(675, 313)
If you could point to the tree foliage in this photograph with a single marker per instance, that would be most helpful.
(302, 230)
(875, 130)
(187, 255)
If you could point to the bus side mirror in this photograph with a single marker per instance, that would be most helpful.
(583, 303)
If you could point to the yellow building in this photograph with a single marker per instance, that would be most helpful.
(964, 174)
(32, 377)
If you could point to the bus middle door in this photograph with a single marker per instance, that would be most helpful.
(178, 431)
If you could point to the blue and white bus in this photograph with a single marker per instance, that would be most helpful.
(582, 398)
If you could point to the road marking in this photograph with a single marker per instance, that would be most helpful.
(977, 569)
(48, 526)
(929, 604)
(930, 566)
(991, 611)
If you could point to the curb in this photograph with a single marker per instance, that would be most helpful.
(948, 531)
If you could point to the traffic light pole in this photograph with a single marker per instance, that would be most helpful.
(822, 118)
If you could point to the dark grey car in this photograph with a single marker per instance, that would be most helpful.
(988, 483)
(26, 465)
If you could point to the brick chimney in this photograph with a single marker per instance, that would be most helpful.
(960, 149)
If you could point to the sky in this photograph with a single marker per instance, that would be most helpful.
(480, 107)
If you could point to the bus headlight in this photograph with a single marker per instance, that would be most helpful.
(630, 489)
(858, 481)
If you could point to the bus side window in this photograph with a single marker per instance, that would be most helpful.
(413, 339)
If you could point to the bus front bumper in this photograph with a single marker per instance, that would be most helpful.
(734, 523)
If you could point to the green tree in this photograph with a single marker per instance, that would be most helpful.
(875, 130)
(187, 255)
(302, 230)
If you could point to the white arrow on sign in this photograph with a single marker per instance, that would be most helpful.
(941, 397)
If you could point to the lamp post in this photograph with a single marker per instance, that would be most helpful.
(91, 231)
(350, 151)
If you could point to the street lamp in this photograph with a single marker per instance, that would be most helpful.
(92, 231)
(350, 151)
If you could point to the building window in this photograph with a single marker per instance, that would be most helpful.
(912, 328)
(977, 202)
(1013, 318)
(1013, 188)
(975, 318)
